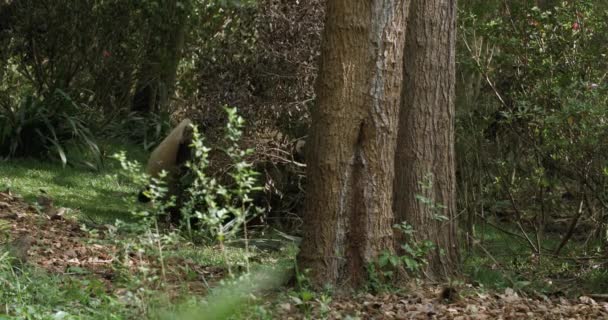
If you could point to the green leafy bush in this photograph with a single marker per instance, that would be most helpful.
(146, 130)
(39, 127)
(99, 52)
(535, 118)
(219, 206)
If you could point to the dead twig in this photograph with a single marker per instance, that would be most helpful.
(518, 213)
(570, 228)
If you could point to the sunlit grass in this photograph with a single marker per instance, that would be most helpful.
(103, 196)
(100, 194)
(35, 294)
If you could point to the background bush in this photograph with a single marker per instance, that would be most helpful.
(532, 118)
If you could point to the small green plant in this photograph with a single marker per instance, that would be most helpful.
(156, 188)
(412, 257)
(150, 239)
(222, 209)
(437, 208)
(377, 279)
(415, 253)
(303, 296)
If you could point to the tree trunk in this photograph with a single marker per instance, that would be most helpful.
(425, 169)
(348, 218)
(156, 80)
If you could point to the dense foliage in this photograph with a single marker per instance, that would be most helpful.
(532, 127)
(531, 131)
(129, 67)
(91, 53)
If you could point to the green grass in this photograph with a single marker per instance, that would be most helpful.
(104, 196)
(32, 294)
(508, 261)
(100, 194)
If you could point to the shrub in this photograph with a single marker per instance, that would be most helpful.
(212, 206)
(40, 127)
(147, 130)
(538, 119)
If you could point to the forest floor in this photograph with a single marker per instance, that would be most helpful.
(62, 245)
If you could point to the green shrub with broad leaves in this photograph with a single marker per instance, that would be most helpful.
(226, 207)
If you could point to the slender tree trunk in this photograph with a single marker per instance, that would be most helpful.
(157, 75)
(425, 166)
(348, 218)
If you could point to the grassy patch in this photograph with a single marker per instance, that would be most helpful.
(141, 272)
(34, 294)
(596, 280)
(96, 194)
(500, 260)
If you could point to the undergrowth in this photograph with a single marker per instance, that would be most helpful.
(102, 195)
(153, 267)
(499, 260)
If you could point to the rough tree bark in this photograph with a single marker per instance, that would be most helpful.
(425, 169)
(352, 143)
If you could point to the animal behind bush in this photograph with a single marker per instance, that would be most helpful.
(178, 181)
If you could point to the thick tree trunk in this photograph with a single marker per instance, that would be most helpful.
(425, 169)
(348, 218)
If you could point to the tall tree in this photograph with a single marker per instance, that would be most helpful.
(352, 142)
(157, 74)
(425, 170)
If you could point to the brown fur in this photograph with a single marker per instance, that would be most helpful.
(165, 156)
(171, 155)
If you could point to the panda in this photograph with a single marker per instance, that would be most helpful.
(171, 155)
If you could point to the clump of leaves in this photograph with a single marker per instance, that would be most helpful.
(40, 127)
